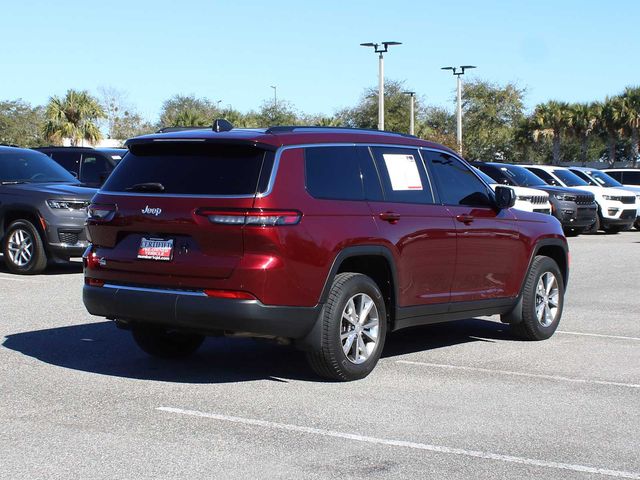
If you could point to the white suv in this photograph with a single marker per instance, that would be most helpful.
(527, 199)
(616, 208)
(599, 178)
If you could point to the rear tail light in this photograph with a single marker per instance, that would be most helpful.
(253, 217)
(101, 212)
(231, 294)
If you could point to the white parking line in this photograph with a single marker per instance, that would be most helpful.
(619, 337)
(405, 444)
(520, 374)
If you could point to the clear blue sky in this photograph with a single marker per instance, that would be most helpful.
(233, 51)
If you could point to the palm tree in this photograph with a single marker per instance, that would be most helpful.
(190, 117)
(583, 118)
(74, 117)
(631, 114)
(611, 122)
(551, 119)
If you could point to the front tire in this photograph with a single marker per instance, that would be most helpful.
(164, 343)
(354, 326)
(23, 249)
(542, 300)
(595, 226)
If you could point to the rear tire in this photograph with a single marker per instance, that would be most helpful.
(542, 300)
(164, 343)
(23, 249)
(637, 224)
(354, 326)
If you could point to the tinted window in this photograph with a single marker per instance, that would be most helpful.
(544, 176)
(95, 169)
(521, 176)
(632, 178)
(403, 175)
(195, 169)
(569, 178)
(68, 160)
(333, 173)
(584, 177)
(457, 184)
(496, 174)
(616, 175)
(27, 166)
(604, 179)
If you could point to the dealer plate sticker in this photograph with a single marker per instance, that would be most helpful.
(156, 249)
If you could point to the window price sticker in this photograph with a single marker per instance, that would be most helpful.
(403, 172)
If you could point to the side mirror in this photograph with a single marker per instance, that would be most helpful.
(505, 197)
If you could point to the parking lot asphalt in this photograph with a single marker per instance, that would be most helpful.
(449, 401)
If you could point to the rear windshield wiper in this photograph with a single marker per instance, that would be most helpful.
(146, 187)
(13, 182)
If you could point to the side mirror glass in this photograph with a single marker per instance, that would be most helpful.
(505, 197)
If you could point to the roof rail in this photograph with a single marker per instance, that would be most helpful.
(291, 128)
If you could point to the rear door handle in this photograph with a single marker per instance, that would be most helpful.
(464, 218)
(389, 217)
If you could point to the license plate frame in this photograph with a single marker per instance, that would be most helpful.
(156, 249)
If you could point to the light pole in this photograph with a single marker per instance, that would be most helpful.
(458, 72)
(412, 96)
(380, 49)
(275, 96)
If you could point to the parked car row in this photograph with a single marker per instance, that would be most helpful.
(583, 199)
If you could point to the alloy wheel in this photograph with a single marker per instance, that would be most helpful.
(547, 299)
(359, 328)
(20, 247)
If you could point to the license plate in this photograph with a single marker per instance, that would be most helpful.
(156, 249)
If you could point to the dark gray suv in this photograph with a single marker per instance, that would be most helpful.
(43, 209)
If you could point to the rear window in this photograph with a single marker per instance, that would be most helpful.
(193, 169)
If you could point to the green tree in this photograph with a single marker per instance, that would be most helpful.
(75, 117)
(200, 109)
(582, 120)
(437, 124)
(21, 124)
(130, 125)
(551, 120)
(280, 113)
(396, 106)
(611, 123)
(631, 118)
(190, 118)
(491, 114)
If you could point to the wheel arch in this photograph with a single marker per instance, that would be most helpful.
(376, 262)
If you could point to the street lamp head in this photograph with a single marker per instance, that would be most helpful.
(447, 68)
(411, 94)
(369, 44)
(386, 44)
(467, 67)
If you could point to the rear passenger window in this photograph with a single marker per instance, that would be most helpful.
(631, 178)
(403, 175)
(616, 175)
(69, 160)
(548, 179)
(457, 184)
(334, 173)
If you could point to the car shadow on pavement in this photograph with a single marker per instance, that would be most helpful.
(103, 349)
(52, 269)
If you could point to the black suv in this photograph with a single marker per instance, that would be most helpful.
(43, 209)
(575, 209)
(92, 166)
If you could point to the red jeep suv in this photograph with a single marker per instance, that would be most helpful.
(327, 238)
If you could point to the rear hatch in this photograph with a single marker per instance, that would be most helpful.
(155, 217)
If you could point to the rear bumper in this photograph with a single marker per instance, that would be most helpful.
(197, 312)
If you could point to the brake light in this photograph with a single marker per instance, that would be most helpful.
(252, 217)
(231, 294)
(101, 212)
